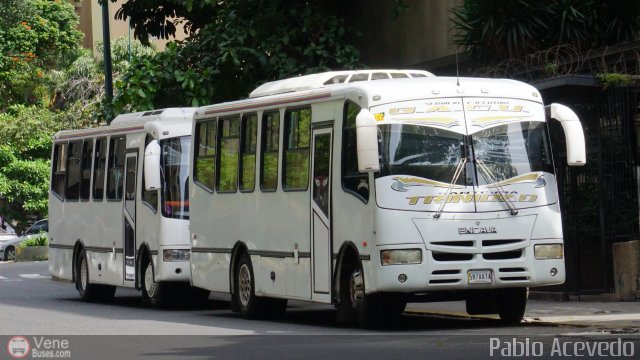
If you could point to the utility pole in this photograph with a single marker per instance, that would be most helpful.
(108, 77)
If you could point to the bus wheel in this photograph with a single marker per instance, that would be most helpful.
(511, 304)
(355, 304)
(245, 296)
(90, 292)
(154, 293)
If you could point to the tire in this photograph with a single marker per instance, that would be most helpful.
(356, 306)
(154, 294)
(9, 253)
(511, 304)
(90, 292)
(250, 306)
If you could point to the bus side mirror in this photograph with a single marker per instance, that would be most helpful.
(152, 166)
(367, 142)
(576, 153)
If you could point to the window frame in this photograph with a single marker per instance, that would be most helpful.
(262, 135)
(244, 119)
(285, 149)
(83, 158)
(220, 137)
(196, 147)
(343, 166)
(111, 157)
(96, 168)
(58, 149)
(70, 157)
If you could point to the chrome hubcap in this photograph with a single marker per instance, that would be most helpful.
(356, 292)
(83, 274)
(244, 285)
(149, 284)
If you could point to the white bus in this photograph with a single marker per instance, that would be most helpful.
(370, 194)
(107, 227)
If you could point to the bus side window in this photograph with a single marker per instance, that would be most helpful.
(204, 169)
(59, 169)
(248, 144)
(270, 138)
(73, 176)
(229, 142)
(85, 169)
(353, 182)
(100, 160)
(149, 197)
(116, 168)
(296, 158)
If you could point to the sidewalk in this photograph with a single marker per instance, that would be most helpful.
(592, 314)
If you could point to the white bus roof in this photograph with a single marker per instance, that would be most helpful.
(315, 81)
(379, 92)
(162, 123)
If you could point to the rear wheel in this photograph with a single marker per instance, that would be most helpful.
(511, 304)
(9, 253)
(87, 291)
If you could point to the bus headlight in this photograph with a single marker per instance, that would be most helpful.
(176, 255)
(398, 257)
(551, 251)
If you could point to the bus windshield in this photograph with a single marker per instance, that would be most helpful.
(422, 151)
(507, 151)
(513, 149)
(175, 177)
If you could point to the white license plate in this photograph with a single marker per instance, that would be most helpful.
(479, 276)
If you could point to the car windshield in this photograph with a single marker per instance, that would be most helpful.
(513, 149)
(175, 175)
(421, 151)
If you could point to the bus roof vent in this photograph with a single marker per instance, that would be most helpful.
(153, 112)
(315, 81)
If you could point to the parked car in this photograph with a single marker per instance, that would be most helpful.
(8, 248)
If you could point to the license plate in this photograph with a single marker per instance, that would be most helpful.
(479, 276)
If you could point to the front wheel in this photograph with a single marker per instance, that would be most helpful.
(10, 253)
(511, 304)
(154, 294)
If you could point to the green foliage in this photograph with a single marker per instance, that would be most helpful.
(37, 35)
(493, 30)
(40, 240)
(614, 79)
(245, 44)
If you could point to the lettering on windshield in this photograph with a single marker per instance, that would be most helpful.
(465, 198)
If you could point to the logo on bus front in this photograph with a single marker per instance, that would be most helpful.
(473, 230)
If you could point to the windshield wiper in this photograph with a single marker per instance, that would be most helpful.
(456, 175)
(492, 181)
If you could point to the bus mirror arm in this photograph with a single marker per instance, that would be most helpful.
(576, 152)
(367, 142)
(152, 166)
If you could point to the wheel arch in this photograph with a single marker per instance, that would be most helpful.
(238, 249)
(348, 253)
(77, 247)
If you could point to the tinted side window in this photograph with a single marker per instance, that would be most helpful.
(229, 139)
(296, 158)
(248, 152)
(204, 169)
(73, 177)
(149, 197)
(270, 146)
(100, 160)
(115, 172)
(85, 169)
(59, 169)
(353, 182)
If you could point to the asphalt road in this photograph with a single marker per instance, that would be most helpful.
(34, 306)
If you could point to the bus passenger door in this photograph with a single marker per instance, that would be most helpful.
(131, 170)
(321, 213)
